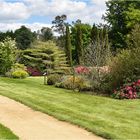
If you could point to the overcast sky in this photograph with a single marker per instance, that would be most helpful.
(39, 13)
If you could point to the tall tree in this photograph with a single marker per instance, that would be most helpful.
(24, 38)
(46, 34)
(134, 37)
(85, 28)
(4, 35)
(121, 15)
(85, 37)
(98, 52)
(60, 24)
(79, 46)
(68, 46)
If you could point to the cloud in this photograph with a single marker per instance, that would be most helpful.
(18, 11)
(10, 12)
(13, 26)
(74, 9)
(54, 7)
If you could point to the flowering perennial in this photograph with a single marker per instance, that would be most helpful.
(128, 91)
(82, 70)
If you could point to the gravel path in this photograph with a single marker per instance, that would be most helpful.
(33, 125)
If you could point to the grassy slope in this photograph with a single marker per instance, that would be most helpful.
(5, 133)
(104, 116)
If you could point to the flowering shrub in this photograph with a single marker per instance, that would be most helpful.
(128, 91)
(34, 71)
(82, 70)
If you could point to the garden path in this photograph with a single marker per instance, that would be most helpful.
(33, 125)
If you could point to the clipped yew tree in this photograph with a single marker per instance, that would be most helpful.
(46, 57)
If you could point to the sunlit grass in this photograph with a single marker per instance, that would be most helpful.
(6, 134)
(110, 118)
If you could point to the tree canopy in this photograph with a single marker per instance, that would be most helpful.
(24, 38)
(121, 15)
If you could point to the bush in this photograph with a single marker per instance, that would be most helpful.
(52, 79)
(34, 71)
(96, 77)
(17, 71)
(124, 67)
(19, 74)
(128, 91)
(7, 55)
(77, 82)
(18, 66)
(82, 70)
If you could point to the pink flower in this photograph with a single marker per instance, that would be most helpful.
(130, 92)
(82, 70)
(128, 88)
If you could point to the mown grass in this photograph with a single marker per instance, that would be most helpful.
(109, 118)
(6, 134)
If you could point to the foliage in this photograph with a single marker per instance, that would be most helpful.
(79, 47)
(24, 38)
(60, 41)
(19, 74)
(17, 71)
(97, 53)
(86, 33)
(68, 46)
(18, 66)
(97, 78)
(74, 82)
(7, 55)
(124, 67)
(122, 15)
(59, 24)
(46, 57)
(46, 34)
(33, 71)
(128, 91)
(133, 39)
(84, 38)
(82, 70)
(52, 79)
(7, 34)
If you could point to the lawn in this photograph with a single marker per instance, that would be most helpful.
(5, 133)
(109, 118)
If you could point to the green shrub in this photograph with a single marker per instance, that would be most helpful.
(19, 74)
(77, 82)
(125, 67)
(7, 55)
(15, 70)
(18, 66)
(52, 79)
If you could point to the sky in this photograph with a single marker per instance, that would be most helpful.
(36, 14)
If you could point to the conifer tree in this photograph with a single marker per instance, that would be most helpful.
(79, 46)
(68, 46)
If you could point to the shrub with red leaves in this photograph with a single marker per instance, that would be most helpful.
(34, 71)
(128, 91)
